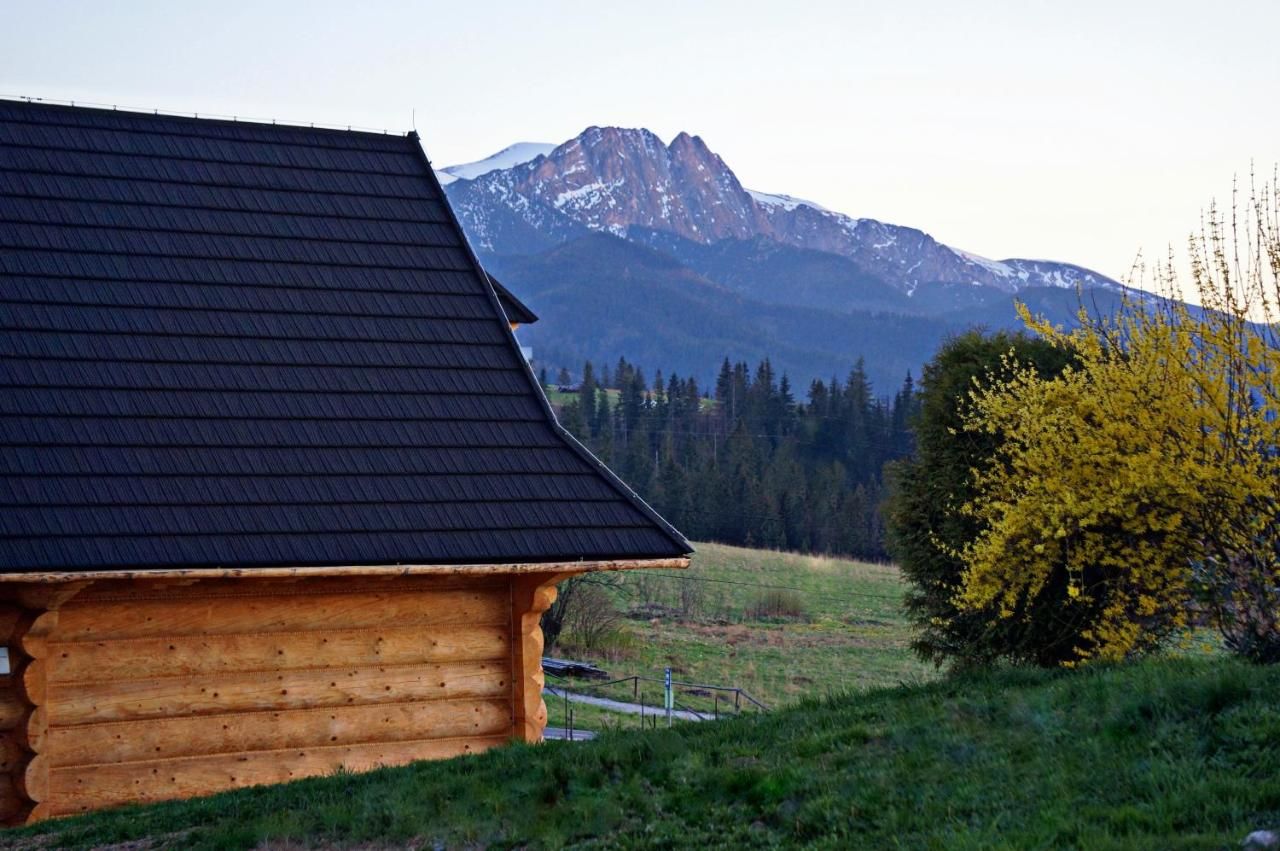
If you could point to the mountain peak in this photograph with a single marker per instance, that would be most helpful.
(616, 178)
(622, 180)
(595, 136)
(684, 140)
(509, 157)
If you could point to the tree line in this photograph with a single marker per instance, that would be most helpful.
(746, 462)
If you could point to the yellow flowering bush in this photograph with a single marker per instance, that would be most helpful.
(1143, 476)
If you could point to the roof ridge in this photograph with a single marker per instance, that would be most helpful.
(210, 118)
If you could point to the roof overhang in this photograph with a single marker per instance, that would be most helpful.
(516, 310)
(389, 570)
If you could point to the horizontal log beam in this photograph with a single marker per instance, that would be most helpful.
(346, 570)
(275, 612)
(222, 587)
(135, 658)
(216, 694)
(168, 738)
(74, 790)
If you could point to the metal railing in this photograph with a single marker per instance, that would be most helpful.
(726, 701)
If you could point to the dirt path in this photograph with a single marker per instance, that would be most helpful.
(619, 706)
(560, 734)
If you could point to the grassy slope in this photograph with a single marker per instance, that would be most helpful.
(1177, 753)
(559, 400)
(853, 635)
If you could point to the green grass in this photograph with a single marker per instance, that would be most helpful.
(555, 397)
(851, 636)
(1175, 753)
(559, 399)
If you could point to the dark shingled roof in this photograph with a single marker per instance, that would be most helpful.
(237, 344)
(516, 310)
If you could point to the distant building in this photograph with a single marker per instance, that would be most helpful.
(279, 493)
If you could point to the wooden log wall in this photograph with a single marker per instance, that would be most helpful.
(142, 690)
(14, 711)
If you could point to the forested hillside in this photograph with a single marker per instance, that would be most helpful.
(600, 298)
(749, 462)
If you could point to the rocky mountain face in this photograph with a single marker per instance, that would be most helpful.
(621, 181)
(610, 179)
(627, 246)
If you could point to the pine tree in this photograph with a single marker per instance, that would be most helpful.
(575, 423)
(587, 398)
(756, 466)
(603, 419)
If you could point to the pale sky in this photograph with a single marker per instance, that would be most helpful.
(1079, 131)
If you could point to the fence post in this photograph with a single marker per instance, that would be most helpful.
(669, 696)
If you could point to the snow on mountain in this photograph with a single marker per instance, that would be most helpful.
(528, 197)
(787, 202)
(609, 179)
(508, 157)
(995, 267)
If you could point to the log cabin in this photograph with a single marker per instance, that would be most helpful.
(280, 496)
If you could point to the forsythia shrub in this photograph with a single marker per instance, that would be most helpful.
(1090, 507)
(1144, 476)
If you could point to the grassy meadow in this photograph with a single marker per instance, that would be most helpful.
(865, 747)
(1176, 753)
(781, 626)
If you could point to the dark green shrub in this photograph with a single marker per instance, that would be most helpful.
(925, 528)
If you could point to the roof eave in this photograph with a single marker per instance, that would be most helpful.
(516, 310)
(384, 570)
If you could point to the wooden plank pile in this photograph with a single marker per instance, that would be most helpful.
(570, 668)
